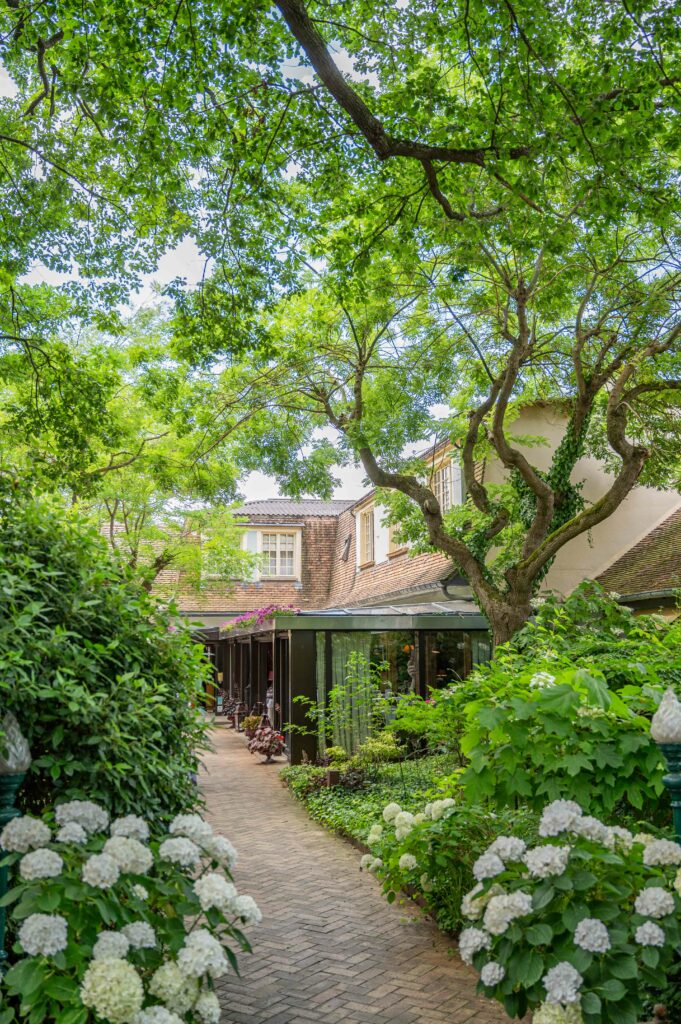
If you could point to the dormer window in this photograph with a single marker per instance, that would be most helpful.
(366, 537)
(446, 484)
(279, 554)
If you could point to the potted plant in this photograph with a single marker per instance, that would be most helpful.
(267, 741)
(249, 724)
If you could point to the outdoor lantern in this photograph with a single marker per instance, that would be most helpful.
(15, 758)
(665, 729)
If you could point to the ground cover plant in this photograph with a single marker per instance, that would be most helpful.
(115, 922)
(106, 685)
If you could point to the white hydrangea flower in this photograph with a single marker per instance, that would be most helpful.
(101, 871)
(492, 974)
(131, 856)
(437, 809)
(471, 941)
(540, 680)
(173, 987)
(419, 818)
(390, 812)
(559, 816)
(23, 834)
(179, 851)
(488, 866)
(207, 1008)
(130, 827)
(113, 989)
(550, 1013)
(110, 946)
(375, 834)
(654, 902)
(503, 909)
(366, 861)
(192, 826)
(72, 832)
(202, 954)
(644, 838)
(248, 910)
(592, 935)
(375, 865)
(156, 1015)
(402, 832)
(404, 820)
(649, 934)
(591, 828)
(140, 935)
(407, 862)
(140, 892)
(473, 903)
(221, 850)
(677, 882)
(40, 864)
(547, 861)
(213, 890)
(43, 934)
(661, 852)
(562, 983)
(619, 838)
(91, 816)
(508, 848)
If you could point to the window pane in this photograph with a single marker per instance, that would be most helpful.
(286, 552)
(269, 550)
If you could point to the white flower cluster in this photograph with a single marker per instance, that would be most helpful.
(72, 832)
(89, 815)
(221, 850)
(508, 848)
(110, 946)
(130, 827)
(180, 851)
(619, 838)
(488, 866)
(390, 812)
(375, 834)
(654, 902)
(192, 826)
(592, 935)
(131, 856)
(370, 863)
(23, 834)
(492, 974)
(43, 934)
(407, 862)
(661, 852)
(550, 1013)
(140, 935)
(562, 983)
(202, 954)
(404, 823)
(40, 864)
(547, 861)
(101, 871)
(649, 934)
(207, 1008)
(213, 890)
(475, 901)
(173, 987)
(156, 1015)
(591, 828)
(540, 680)
(247, 909)
(113, 989)
(471, 941)
(503, 909)
(559, 816)
(140, 892)
(437, 808)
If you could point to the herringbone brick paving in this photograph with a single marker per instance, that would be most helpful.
(329, 950)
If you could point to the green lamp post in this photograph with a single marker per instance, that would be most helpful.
(14, 763)
(665, 729)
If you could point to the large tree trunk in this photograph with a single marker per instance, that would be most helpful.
(506, 618)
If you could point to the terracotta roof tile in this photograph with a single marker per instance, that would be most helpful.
(286, 507)
(652, 565)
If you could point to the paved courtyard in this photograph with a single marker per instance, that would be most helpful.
(329, 949)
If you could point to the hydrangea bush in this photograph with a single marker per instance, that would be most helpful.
(578, 927)
(116, 925)
(429, 853)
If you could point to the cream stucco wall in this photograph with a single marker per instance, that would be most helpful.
(590, 554)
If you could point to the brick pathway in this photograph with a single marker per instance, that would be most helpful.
(329, 949)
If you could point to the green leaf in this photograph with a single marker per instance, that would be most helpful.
(591, 1003)
(612, 990)
(539, 934)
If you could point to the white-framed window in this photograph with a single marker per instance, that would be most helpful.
(278, 553)
(366, 536)
(446, 484)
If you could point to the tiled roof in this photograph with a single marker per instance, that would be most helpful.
(652, 565)
(287, 507)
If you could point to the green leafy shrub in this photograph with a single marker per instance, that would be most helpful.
(109, 921)
(101, 679)
(586, 921)
(570, 737)
(336, 755)
(303, 779)
(377, 750)
(430, 853)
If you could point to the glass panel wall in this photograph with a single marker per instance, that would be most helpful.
(451, 655)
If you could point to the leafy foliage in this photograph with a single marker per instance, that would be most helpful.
(105, 684)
